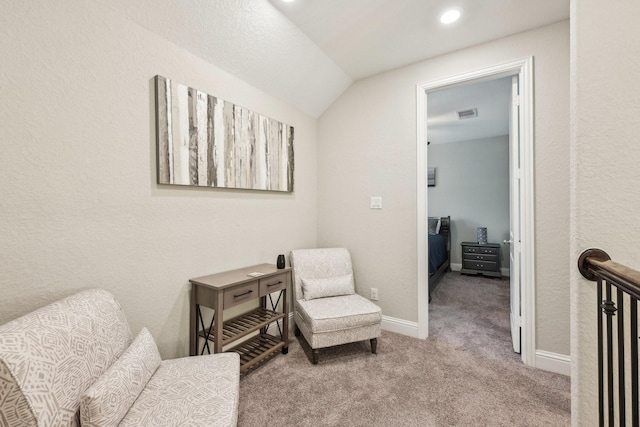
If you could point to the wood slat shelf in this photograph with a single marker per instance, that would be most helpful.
(243, 325)
(256, 350)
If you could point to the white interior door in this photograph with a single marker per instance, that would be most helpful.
(514, 214)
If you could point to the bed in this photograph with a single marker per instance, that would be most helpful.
(439, 250)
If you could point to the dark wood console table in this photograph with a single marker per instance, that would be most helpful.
(224, 290)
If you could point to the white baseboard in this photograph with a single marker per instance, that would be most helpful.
(400, 326)
(455, 267)
(553, 362)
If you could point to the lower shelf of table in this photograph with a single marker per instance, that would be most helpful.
(243, 325)
(257, 349)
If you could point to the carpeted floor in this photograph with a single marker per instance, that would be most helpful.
(464, 374)
(472, 313)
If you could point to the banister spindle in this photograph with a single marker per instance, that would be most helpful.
(596, 265)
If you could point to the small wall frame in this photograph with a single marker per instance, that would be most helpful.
(205, 141)
(431, 177)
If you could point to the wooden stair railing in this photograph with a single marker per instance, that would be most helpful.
(615, 389)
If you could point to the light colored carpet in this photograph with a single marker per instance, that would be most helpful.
(464, 374)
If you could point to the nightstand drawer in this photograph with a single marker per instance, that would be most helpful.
(477, 257)
(240, 294)
(488, 251)
(480, 250)
(470, 249)
(480, 265)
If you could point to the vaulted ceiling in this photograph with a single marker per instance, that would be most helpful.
(308, 52)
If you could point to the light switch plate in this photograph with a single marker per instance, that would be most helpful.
(376, 202)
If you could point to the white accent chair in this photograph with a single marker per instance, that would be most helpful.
(327, 311)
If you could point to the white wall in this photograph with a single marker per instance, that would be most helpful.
(367, 147)
(80, 207)
(605, 177)
(472, 186)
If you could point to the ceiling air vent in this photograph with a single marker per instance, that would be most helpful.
(467, 114)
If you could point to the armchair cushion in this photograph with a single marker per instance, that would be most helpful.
(327, 287)
(108, 400)
(338, 313)
(179, 393)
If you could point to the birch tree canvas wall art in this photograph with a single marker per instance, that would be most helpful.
(206, 141)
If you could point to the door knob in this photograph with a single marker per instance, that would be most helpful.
(507, 242)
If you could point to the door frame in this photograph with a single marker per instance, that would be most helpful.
(524, 69)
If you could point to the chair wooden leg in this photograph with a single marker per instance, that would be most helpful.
(315, 355)
(374, 345)
(296, 330)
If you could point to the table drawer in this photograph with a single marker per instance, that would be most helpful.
(240, 294)
(273, 284)
(477, 257)
(480, 265)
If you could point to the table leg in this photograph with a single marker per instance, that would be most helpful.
(285, 322)
(193, 323)
(219, 323)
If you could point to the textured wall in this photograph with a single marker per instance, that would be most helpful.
(367, 147)
(472, 186)
(80, 207)
(605, 177)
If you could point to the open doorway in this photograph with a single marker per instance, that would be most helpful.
(521, 177)
(468, 163)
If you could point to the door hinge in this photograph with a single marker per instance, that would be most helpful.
(516, 173)
(516, 100)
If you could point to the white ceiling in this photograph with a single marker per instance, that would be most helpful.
(366, 37)
(491, 98)
(309, 51)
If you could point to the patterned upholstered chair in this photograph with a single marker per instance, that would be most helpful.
(327, 310)
(75, 362)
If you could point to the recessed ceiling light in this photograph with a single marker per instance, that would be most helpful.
(450, 16)
(287, 1)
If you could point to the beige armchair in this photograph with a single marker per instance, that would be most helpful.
(327, 311)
